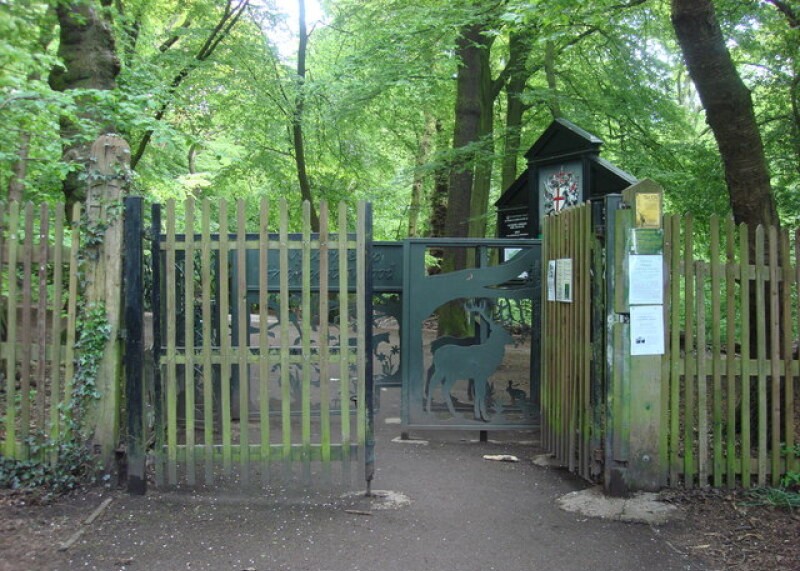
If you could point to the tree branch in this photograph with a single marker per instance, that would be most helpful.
(791, 15)
(226, 22)
(175, 37)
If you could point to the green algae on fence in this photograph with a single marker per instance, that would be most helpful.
(568, 429)
(758, 389)
(295, 354)
(38, 349)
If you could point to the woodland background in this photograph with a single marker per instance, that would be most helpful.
(423, 107)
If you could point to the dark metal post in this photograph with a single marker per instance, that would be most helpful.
(370, 381)
(158, 410)
(134, 344)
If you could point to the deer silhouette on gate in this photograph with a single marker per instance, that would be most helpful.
(456, 361)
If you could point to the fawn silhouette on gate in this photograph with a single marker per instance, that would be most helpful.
(456, 361)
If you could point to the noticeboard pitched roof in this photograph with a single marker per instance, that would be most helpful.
(563, 138)
(516, 194)
(609, 177)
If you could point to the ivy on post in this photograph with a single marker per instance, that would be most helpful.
(107, 176)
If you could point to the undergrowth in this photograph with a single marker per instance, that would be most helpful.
(52, 467)
(787, 495)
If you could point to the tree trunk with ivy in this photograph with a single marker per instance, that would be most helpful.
(88, 51)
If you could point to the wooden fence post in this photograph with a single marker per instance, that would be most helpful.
(107, 175)
(636, 372)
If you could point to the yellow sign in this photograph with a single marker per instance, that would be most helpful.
(648, 210)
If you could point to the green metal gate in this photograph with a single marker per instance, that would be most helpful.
(469, 382)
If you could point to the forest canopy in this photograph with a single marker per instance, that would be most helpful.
(423, 107)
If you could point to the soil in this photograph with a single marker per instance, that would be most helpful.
(32, 532)
(729, 531)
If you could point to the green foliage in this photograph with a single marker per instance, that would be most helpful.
(787, 496)
(44, 479)
(378, 70)
(776, 497)
(55, 466)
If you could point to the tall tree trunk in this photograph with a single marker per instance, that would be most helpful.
(297, 119)
(729, 111)
(452, 319)
(466, 132)
(550, 74)
(438, 198)
(88, 53)
(479, 200)
(518, 50)
(417, 185)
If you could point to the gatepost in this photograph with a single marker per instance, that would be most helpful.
(636, 322)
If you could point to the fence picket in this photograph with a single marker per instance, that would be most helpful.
(286, 395)
(344, 335)
(324, 335)
(208, 370)
(702, 382)
(761, 344)
(27, 340)
(306, 335)
(10, 445)
(263, 336)
(716, 349)
(243, 336)
(675, 378)
(692, 351)
(72, 306)
(663, 443)
(188, 327)
(730, 351)
(225, 339)
(746, 372)
(787, 380)
(774, 410)
(41, 319)
(56, 328)
(171, 367)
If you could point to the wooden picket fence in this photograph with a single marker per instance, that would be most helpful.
(39, 258)
(730, 373)
(570, 431)
(299, 380)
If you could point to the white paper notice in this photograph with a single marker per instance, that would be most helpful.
(647, 330)
(646, 280)
(564, 280)
(551, 280)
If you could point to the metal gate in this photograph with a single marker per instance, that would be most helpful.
(260, 342)
(488, 377)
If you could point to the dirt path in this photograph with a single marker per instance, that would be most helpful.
(452, 510)
(463, 513)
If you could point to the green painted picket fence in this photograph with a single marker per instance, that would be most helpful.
(729, 393)
(39, 275)
(300, 378)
